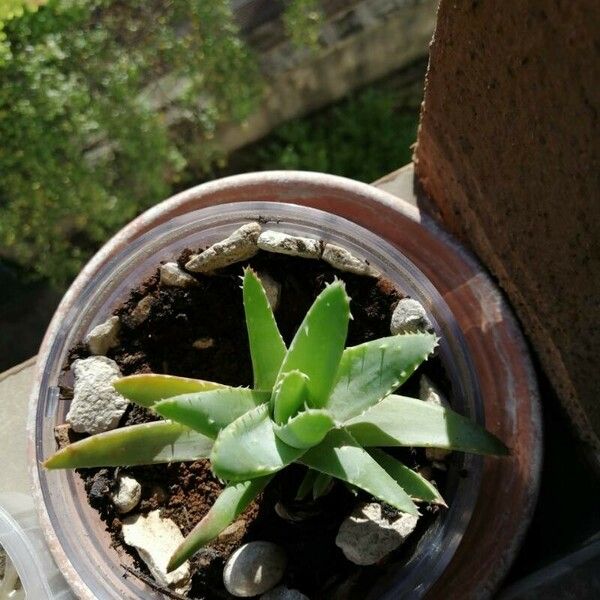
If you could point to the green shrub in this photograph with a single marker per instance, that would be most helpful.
(82, 149)
(363, 137)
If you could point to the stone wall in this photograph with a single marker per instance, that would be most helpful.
(509, 151)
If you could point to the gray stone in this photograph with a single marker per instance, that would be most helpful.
(254, 568)
(342, 259)
(127, 495)
(283, 593)
(429, 393)
(272, 289)
(96, 405)
(155, 540)
(365, 537)
(409, 316)
(283, 243)
(103, 337)
(172, 275)
(240, 245)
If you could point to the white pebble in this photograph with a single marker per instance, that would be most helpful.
(429, 393)
(282, 243)
(283, 593)
(409, 316)
(342, 259)
(254, 568)
(104, 336)
(365, 537)
(272, 289)
(240, 245)
(172, 275)
(156, 539)
(128, 494)
(96, 405)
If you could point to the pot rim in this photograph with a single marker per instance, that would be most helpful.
(311, 185)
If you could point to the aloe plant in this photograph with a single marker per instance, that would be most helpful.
(315, 403)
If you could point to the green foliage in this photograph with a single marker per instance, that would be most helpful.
(326, 405)
(362, 137)
(303, 20)
(84, 145)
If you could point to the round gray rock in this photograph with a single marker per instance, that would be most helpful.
(254, 568)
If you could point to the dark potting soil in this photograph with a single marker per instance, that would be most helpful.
(212, 313)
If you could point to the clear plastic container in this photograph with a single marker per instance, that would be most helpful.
(76, 534)
(30, 571)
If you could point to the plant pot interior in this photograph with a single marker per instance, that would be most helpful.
(71, 518)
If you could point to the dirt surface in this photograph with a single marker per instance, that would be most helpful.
(164, 343)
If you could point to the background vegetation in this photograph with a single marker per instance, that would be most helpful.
(84, 146)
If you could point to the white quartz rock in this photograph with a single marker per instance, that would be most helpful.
(156, 539)
(104, 336)
(96, 405)
(254, 568)
(127, 495)
(342, 259)
(172, 275)
(429, 393)
(409, 316)
(283, 593)
(365, 537)
(283, 243)
(272, 289)
(240, 245)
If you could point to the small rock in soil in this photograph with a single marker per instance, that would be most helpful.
(142, 310)
(156, 539)
(343, 260)
(254, 568)
(283, 593)
(96, 405)
(99, 486)
(282, 243)
(104, 336)
(409, 316)
(272, 289)
(429, 393)
(203, 343)
(172, 275)
(62, 435)
(366, 536)
(240, 245)
(128, 494)
(235, 531)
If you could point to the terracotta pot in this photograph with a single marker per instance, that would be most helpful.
(483, 537)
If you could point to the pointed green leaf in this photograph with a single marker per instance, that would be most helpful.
(147, 389)
(321, 485)
(340, 456)
(249, 448)
(402, 421)
(415, 485)
(289, 395)
(306, 429)
(208, 412)
(319, 342)
(145, 444)
(306, 485)
(232, 501)
(267, 348)
(369, 372)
